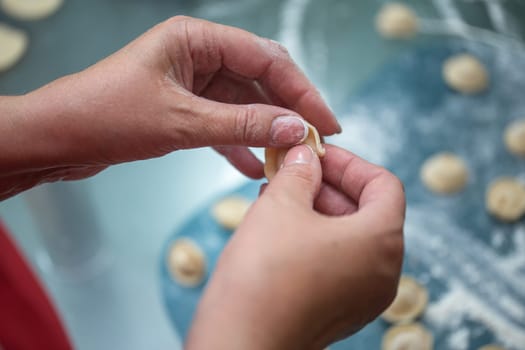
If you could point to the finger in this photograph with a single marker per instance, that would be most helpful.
(377, 192)
(211, 123)
(229, 87)
(243, 159)
(333, 202)
(262, 189)
(213, 45)
(347, 172)
(299, 179)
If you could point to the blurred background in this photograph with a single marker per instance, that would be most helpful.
(96, 243)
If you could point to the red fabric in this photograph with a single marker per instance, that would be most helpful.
(27, 318)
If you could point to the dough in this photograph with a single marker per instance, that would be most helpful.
(396, 21)
(444, 173)
(407, 337)
(491, 347)
(13, 45)
(465, 73)
(186, 263)
(30, 9)
(505, 199)
(514, 137)
(230, 211)
(274, 157)
(409, 303)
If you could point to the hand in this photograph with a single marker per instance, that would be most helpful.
(295, 277)
(186, 83)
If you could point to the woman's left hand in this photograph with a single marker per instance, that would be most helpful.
(186, 83)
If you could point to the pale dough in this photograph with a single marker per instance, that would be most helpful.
(407, 337)
(186, 263)
(274, 157)
(444, 173)
(396, 21)
(465, 73)
(30, 9)
(13, 45)
(230, 211)
(505, 199)
(514, 137)
(409, 303)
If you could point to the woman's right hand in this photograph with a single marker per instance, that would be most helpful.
(317, 257)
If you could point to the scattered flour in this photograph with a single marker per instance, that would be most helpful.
(459, 340)
(498, 238)
(384, 129)
(459, 302)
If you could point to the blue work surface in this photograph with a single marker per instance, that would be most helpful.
(473, 265)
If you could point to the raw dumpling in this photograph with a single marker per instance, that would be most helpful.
(444, 173)
(396, 21)
(514, 137)
(466, 74)
(13, 45)
(408, 337)
(30, 9)
(409, 303)
(505, 199)
(186, 263)
(274, 157)
(230, 211)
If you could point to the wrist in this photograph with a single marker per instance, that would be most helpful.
(231, 317)
(32, 139)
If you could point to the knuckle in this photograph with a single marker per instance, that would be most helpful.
(280, 49)
(389, 269)
(246, 127)
(178, 19)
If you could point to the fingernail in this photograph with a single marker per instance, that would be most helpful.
(302, 154)
(288, 131)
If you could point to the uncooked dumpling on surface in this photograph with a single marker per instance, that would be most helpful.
(505, 199)
(514, 137)
(274, 157)
(30, 9)
(407, 337)
(186, 263)
(444, 173)
(13, 45)
(409, 303)
(396, 21)
(466, 74)
(230, 211)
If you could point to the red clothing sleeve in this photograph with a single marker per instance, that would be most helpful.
(27, 319)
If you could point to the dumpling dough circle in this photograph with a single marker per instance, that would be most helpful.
(230, 211)
(30, 9)
(407, 337)
(274, 157)
(409, 303)
(465, 73)
(396, 21)
(444, 173)
(514, 137)
(505, 199)
(13, 45)
(186, 263)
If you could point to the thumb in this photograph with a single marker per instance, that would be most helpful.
(254, 125)
(299, 178)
